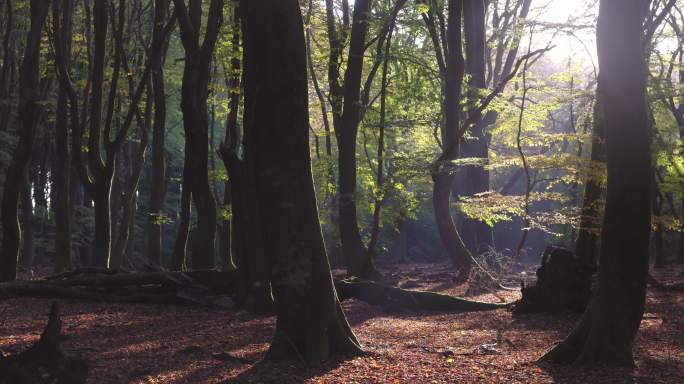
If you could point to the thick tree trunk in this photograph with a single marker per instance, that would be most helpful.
(29, 94)
(310, 324)
(254, 290)
(606, 332)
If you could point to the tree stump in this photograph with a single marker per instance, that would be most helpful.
(44, 362)
(563, 283)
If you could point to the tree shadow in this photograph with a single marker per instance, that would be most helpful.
(291, 372)
(545, 321)
(588, 374)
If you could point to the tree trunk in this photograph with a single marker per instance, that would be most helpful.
(27, 224)
(680, 256)
(194, 93)
(62, 166)
(153, 232)
(7, 72)
(358, 260)
(62, 184)
(135, 168)
(657, 206)
(229, 149)
(605, 334)
(380, 175)
(102, 242)
(310, 323)
(181, 244)
(254, 290)
(476, 235)
(443, 173)
(586, 247)
(101, 183)
(29, 94)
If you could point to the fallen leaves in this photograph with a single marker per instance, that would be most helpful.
(165, 344)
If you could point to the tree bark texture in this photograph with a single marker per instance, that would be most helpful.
(29, 94)
(606, 331)
(310, 322)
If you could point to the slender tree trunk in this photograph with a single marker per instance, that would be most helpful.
(102, 242)
(680, 120)
(135, 168)
(680, 256)
(311, 324)
(657, 206)
(380, 179)
(62, 165)
(181, 244)
(153, 233)
(29, 94)
(101, 183)
(606, 332)
(443, 173)
(62, 184)
(27, 224)
(476, 235)
(232, 141)
(97, 171)
(194, 93)
(359, 262)
(586, 247)
(337, 37)
(331, 235)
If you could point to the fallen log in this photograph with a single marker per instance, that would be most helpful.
(44, 362)
(212, 288)
(402, 299)
(205, 287)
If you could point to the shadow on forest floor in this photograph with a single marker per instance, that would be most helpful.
(286, 373)
(135, 343)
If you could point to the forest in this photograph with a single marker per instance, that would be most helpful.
(341, 191)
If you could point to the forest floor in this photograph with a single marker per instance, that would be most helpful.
(131, 343)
